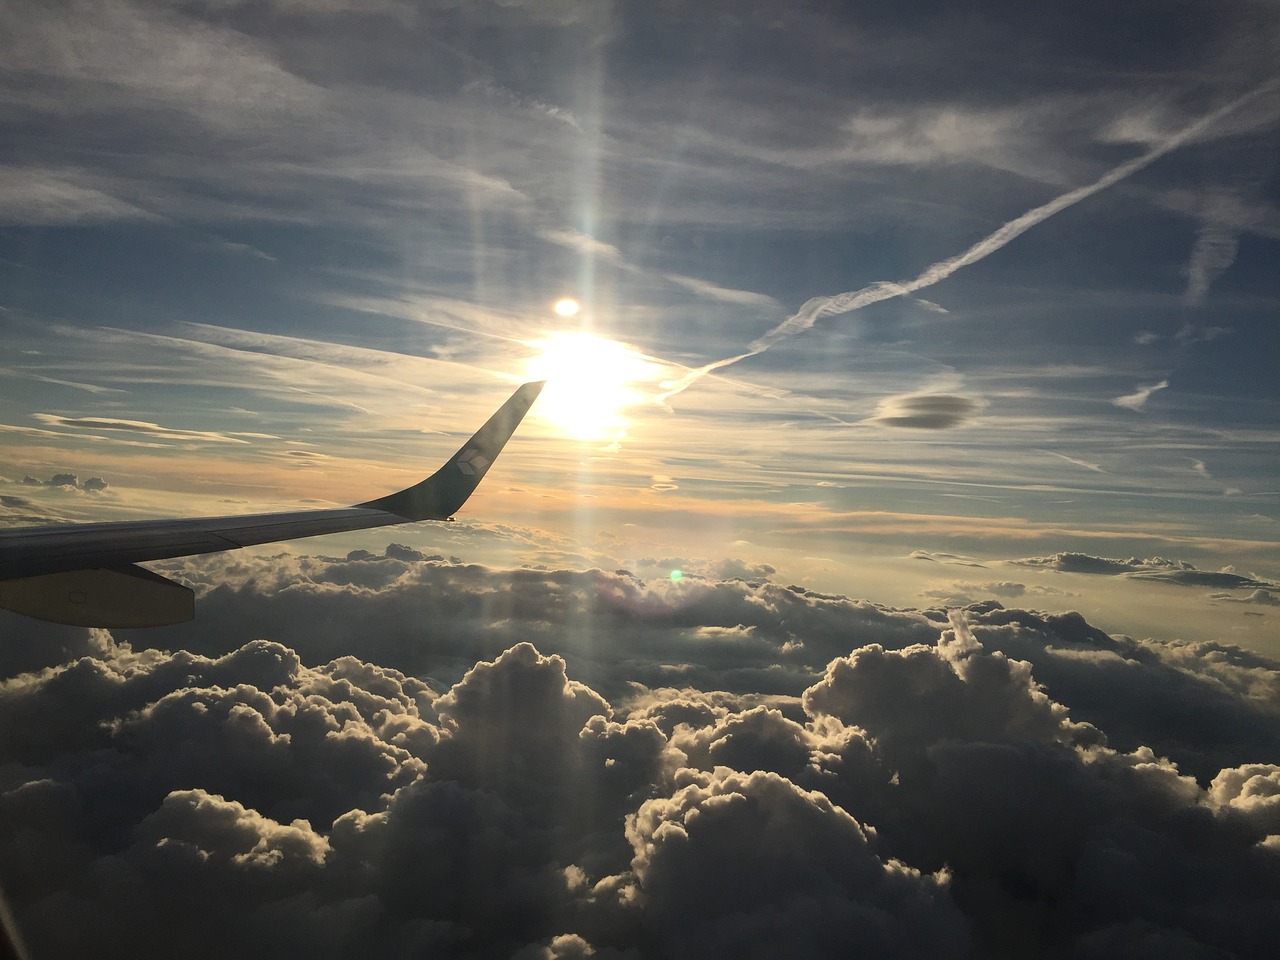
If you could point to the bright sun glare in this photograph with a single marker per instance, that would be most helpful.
(588, 383)
(567, 307)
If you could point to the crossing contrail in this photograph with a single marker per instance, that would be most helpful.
(818, 307)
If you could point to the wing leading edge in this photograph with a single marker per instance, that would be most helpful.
(84, 574)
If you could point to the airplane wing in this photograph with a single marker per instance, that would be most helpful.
(84, 574)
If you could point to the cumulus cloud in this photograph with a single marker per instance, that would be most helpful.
(90, 485)
(935, 411)
(825, 776)
(809, 880)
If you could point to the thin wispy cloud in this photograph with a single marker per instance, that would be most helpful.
(40, 195)
(489, 87)
(1096, 468)
(1202, 470)
(1138, 399)
(819, 307)
(711, 291)
(1214, 251)
(147, 428)
(1189, 334)
(584, 243)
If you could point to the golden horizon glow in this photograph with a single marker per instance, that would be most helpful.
(589, 382)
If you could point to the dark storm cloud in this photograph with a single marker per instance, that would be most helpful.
(986, 781)
(1156, 569)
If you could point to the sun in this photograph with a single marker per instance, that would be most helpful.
(567, 307)
(590, 383)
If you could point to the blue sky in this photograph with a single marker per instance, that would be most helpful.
(275, 230)
(282, 229)
(933, 346)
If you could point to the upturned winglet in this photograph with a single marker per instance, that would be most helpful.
(85, 574)
(440, 495)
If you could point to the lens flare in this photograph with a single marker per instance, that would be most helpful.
(590, 383)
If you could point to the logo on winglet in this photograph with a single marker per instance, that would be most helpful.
(473, 463)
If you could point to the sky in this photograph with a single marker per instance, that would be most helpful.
(904, 491)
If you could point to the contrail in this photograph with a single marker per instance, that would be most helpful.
(819, 307)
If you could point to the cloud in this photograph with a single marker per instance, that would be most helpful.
(696, 890)
(1202, 470)
(1251, 791)
(1223, 579)
(1096, 468)
(58, 481)
(984, 781)
(953, 558)
(1109, 566)
(1216, 246)
(1156, 569)
(584, 244)
(818, 307)
(961, 593)
(1189, 334)
(136, 426)
(926, 411)
(36, 196)
(1138, 399)
(490, 88)
(1265, 598)
(703, 288)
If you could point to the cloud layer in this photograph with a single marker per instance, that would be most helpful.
(983, 781)
(1155, 569)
